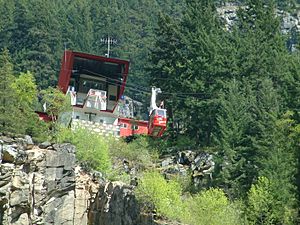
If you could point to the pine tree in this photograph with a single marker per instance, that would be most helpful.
(203, 67)
(10, 115)
(274, 151)
(6, 23)
(42, 44)
(234, 170)
(261, 49)
(166, 68)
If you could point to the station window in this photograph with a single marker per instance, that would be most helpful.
(112, 98)
(123, 125)
(161, 113)
(86, 85)
(134, 127)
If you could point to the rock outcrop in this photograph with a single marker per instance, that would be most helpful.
(289, 21)
(43, 185)
(196, 166)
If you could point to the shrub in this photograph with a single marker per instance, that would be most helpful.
(263, 207)
(211, 207)
(36, 128)
(208, 207)
(165, 196)
(91, 149)
(137, 151)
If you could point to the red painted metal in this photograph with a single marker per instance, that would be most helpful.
(44, 116)
(129, 127)
(67, 66)
(65, 71)
(157, 124)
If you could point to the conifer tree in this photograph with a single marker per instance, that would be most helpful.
(41, 44)
(203, 64)
(261, 49)
(234, 119)
(166, 67)
(274, 151)
(10, 116)
(6, 23)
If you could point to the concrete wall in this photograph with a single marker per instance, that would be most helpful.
(98, 128)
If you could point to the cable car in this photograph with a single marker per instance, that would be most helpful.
(158, 116)
(157, 122)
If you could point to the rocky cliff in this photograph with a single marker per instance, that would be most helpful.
(289, 21)
(43, 185)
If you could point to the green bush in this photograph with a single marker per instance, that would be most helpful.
(165, 196)
(264, 208)
(137, 151)
(36, 128)
(211, 207)
(91, 149)
(208, 207)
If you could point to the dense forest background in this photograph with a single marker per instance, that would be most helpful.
(233, 93)
(37, 32)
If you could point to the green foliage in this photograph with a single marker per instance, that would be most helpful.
(37, 31)
(137, 151)
(260, 202)
(211, 207)
(189, 58)
(263, 206)
(207, 207)
(37, 129)
(234, 120)
(239, 83)
(275, 152)
(7, 97)
(18, 96)
(26, 90)
(91, 149)
(165, 196)
(224, 91)
(56, 102)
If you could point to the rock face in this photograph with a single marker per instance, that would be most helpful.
(198, 165)
(42, 185)
(289, 21)
(111, 208)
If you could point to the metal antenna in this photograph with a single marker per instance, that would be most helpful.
(109, 41)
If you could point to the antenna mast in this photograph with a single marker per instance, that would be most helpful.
(109, 41)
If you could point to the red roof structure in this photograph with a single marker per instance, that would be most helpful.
(78, 69)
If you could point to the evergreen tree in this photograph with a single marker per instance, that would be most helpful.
(79, 23)
(10, 116)
(166, 67)
(234, 155)
(17, 100)
(6, 78)
(274, 152)
(6, 23)
(261, 49)
(41, 43)
(203, 65)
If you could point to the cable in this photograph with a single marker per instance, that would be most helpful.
(144, 90)
(147, 90)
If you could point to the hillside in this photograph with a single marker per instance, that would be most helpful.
(230, 76)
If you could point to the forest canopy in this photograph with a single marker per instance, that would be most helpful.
(231, 92)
